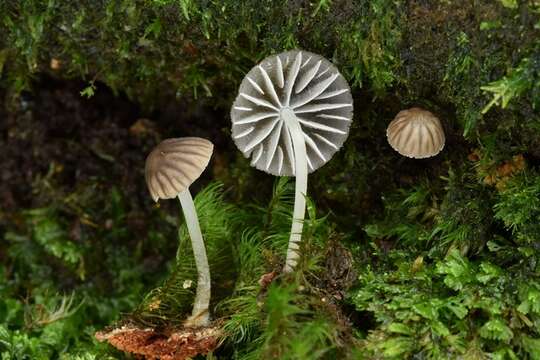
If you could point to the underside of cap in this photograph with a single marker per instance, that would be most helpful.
(175, 164)
(308, 85)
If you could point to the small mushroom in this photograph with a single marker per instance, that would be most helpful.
(170, 169)
(416, 133)
(292, 114)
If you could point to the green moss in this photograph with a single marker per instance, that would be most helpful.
(143, 48)
(452, 308)
(368, 44)
(519, 206)
(169, 304)
(446, 248)
(294, 317)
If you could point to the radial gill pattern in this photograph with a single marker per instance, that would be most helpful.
(313, 89)
(416, 133)
(175, 164)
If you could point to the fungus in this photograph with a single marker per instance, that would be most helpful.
(292, 114)
(170, 169)
(416, 133)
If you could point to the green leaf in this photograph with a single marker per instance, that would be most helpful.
(457, 269)
(496, 329)
(400, 328)
(439, 328)
(397, 346)
(89, 91)
(532, 346)
(458, 309)
(530, 296)
(488, 272)
(510, 86)
(426, 310)
(511, 4)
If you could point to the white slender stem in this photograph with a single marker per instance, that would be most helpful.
(301, 172)
(200, 315)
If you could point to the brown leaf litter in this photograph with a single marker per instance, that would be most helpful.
(181, 344)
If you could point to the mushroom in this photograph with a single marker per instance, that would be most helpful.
(292, 114)
(170, 169)
(416, 133)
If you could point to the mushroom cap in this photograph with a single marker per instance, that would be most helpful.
(416, 133)
(313, 89)
(175, 164)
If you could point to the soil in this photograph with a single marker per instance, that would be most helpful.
(63, 151)
(105, 137)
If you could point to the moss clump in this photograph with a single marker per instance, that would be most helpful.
(167, 305)
(448, 278)
(296, 316)
(452, 307)
(143, 49)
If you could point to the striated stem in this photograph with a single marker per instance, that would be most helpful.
(301, 172)
(200, 315)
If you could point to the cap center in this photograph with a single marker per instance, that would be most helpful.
(286, 114)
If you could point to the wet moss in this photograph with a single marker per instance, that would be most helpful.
(428, 238)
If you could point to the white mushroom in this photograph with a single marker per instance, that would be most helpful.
(416, 133)
(292, 114)
(170, 169)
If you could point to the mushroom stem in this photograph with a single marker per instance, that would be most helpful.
(301, 173)
(200, 314)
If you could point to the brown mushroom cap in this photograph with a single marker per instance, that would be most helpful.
(175, 164)
(416, 133)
